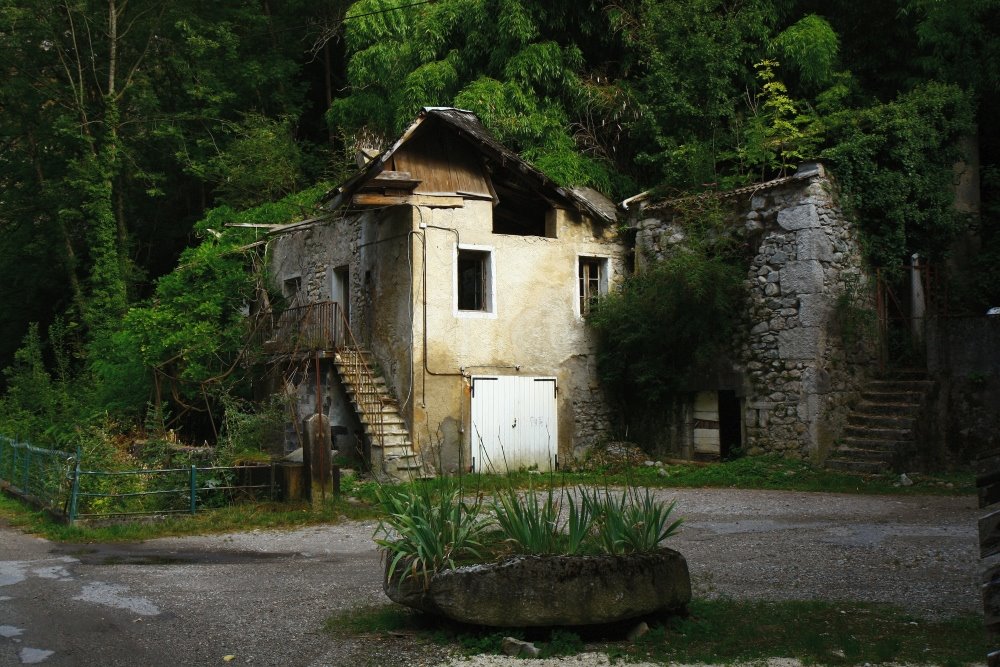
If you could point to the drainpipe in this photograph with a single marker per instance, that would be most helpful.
(425, 226)
(426, 365)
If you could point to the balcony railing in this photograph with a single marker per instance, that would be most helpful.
(315, 326)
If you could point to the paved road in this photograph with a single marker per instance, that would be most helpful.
(263, 596)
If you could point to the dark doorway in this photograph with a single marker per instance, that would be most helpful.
(730, 432)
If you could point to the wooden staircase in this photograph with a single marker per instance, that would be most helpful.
(880, 435)
(391, 447)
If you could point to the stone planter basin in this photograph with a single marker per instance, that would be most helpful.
(534, 591)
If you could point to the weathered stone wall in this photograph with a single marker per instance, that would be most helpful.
(795, 376)
(801, 380)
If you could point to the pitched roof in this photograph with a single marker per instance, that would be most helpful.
(466, 125)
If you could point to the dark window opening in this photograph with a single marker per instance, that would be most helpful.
(519, 212)
(474, 280)
(730, 422)
(291, 287)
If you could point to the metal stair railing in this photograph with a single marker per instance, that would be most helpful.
(370, 400)
(313, 326)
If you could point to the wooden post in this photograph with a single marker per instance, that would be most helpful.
(988, 481)
(316, 455)
(74, 497)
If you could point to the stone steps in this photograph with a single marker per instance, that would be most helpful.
(881, 428)
(392, 450)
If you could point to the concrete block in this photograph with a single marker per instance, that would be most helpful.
(798, 217)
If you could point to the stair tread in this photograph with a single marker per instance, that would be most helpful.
(378, 411)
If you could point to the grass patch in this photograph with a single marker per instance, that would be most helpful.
(821, 632)
(225, 519)
(774, 472)
(758, 472)
(716, 631)
(749, 472)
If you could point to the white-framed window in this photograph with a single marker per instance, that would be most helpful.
(592, 281)
(475, 289)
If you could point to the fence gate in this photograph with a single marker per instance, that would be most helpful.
(514, 423)
(904, 300)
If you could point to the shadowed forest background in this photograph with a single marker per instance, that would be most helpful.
(133, 131)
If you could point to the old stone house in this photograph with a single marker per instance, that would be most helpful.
(435, 313)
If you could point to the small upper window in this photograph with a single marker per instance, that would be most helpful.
(475, 280)
(291, 287)
(520, 212)
(593, 281)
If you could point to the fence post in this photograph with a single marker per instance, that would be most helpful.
(75, 492)
(27, 466)
(194, 487)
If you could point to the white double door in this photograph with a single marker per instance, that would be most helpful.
(514, 423)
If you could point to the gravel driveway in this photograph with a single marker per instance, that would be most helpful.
(262, 596)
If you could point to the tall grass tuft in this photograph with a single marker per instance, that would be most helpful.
(630, 522)
(426, 530)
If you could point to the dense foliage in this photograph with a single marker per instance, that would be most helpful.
(124, 122)
(673, 321)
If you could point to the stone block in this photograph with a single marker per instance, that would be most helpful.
(799, 343)
(815, 309)
(802, 277)
(539, 591)
(814, 244)
(798, 217)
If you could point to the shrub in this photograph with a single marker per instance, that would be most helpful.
(631, 522)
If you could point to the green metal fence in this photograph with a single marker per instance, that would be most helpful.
(55, 481)
(100, 493)
(39, 475)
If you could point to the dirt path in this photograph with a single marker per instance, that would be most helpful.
(263, 596)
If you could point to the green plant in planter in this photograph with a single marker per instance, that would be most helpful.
(427, 530)
(632, 522)
(531, 524)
